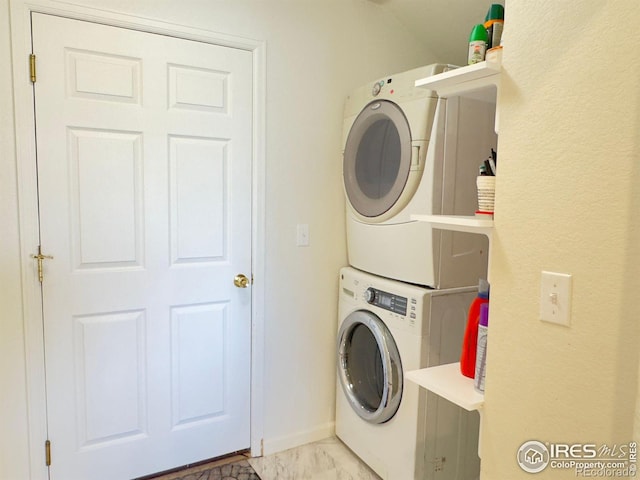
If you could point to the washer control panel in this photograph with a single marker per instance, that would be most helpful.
(388, 301)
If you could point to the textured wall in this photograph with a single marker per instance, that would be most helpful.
(316, 53)
(13, 409)
(567, 200)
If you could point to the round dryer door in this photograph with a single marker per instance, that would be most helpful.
(369, 367)
(377, 158)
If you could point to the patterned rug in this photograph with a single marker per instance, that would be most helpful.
(233, 471)
(229, 469)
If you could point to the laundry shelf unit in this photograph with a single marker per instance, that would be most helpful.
(447, 382)
(471, 81)
(480, 81)
(458, 223)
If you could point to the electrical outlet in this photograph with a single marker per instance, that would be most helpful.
(555, 298)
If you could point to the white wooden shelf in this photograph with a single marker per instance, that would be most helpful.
(480, 81)
(458, 223)
(447, 382)
(471, 80)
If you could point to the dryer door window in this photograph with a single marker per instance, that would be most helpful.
(377, 158)
(369, 367)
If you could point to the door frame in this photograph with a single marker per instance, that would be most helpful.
(25, 134)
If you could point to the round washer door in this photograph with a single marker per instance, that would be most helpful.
(377, 158)
(369, 367)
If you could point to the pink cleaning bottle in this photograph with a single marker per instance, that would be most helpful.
(470, 341)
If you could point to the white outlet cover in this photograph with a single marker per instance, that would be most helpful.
(555, 298)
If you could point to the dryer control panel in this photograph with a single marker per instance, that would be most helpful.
(388, 301)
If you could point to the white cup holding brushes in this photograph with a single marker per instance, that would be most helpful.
(486, 193)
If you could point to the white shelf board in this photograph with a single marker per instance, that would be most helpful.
(458, 223)
(447, 382)
(471, 80)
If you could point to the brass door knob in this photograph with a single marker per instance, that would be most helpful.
(241, 281)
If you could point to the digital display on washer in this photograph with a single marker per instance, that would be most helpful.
(388, 301)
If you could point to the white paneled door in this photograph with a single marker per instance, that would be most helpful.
(144, 179)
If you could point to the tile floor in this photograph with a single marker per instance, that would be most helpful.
(326, 459)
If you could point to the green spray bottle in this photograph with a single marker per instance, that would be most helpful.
(477, 44)
(494, 23)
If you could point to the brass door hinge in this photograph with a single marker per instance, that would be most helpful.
(47, 452)
(32, 67)
(40, 257)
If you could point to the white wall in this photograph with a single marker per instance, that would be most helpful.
(567, 200)
(316, 53)
(13, 438)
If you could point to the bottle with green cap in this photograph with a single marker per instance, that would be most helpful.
(477, 44)
(494, 22)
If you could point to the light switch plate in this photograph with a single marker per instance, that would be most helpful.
(555, 298)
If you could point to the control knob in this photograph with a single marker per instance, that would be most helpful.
(369, 295)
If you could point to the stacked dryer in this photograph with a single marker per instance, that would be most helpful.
(406, 152)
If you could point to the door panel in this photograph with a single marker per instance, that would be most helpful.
(105, 413)
(198, 177)
(144, 177)
(107, 207)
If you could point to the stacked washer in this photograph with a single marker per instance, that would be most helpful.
(403, 306)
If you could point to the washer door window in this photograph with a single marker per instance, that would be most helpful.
(377, 158)
(369, 367)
